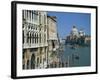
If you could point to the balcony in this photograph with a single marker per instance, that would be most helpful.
(26, 45)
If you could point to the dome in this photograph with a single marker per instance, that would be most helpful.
(74, 31)
(81, 33)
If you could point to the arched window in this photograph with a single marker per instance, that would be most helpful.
(39, 18)
(35, 16)
(37, 61)
(45, 19)
(23, 36)
(30, 15)
(45, 27)
(27, 64)
(28, 37)
(40, 38)
(27, 14)
(29, 26)
(33, 61)
(44, 38)
(35, 37)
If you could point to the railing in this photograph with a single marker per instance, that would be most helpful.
(34, 45)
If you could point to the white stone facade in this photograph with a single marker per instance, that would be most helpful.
(34, 39)
(40, 39)
(34, 29)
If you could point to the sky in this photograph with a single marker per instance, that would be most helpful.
(66, 20)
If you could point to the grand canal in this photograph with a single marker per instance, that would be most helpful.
(76, 57)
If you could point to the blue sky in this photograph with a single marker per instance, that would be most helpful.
(66, 20)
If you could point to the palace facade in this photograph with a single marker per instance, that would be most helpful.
(34, 39)
(39, 33)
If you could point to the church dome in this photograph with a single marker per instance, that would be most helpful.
(74, 31)
(81, 33)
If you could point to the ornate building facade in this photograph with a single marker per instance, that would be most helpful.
(40, 39)
(34, 32)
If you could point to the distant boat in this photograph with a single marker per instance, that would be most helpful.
(77, 57)
(72, 47)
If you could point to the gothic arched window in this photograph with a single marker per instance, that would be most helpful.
(28, 37)
(23, 36)
(33, 37)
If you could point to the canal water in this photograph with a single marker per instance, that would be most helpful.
(76, 57)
